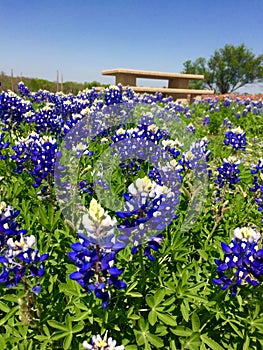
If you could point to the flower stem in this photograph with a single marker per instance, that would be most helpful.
(143, 276)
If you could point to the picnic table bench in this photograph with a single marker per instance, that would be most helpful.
(178, 83)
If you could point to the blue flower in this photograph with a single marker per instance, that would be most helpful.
(36, 154)
(20, 259)
(236, 138)
(96, 270)
(228, 174)
(257, 171)
(242, 262)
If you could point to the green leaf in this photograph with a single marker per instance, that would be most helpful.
(258, 323)
(135, 294)
(159, 295)
(152, 317)
(68, 322)
(236, 329)
(2, 342)
(195, 322)
(4, 307)
(167, 319)
(211, 343)
(143, 325)
(172, 345)
(134, 317)
(9, 315)
(185, 311)
(57, 325)
(78, 328)
(59, 335)
(150, 301)
(154, 340)
(246, 344)
(182, 331)
(169, 301)
(67, 341)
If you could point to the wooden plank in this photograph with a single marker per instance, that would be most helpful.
(143, 89)
(151, 74)
(171, 90)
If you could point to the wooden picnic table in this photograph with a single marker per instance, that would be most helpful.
(178, 83)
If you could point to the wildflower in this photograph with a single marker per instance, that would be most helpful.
(196, 158)
(242, 262)
(257, 171)
(236, 138)
(99, 225)
(206, 120)
(228, 174)
(190, 128)
(95, 254)
(113, 95)
(21, 260)
(97, 343)
(36, 154)
(96, 271)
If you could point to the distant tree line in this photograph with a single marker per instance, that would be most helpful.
(228, 69)
(35, 84)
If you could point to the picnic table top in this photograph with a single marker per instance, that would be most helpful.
(151, 74)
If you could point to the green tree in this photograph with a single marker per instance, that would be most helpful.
(228, 69)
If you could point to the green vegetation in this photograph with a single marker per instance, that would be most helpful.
(35, 84)
(228, 69)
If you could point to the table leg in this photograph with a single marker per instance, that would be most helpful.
(178, 83)
(125, 79)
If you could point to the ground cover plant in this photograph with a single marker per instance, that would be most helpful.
(130, 222)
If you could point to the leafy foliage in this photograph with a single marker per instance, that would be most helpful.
(170, 302)
(228, 69)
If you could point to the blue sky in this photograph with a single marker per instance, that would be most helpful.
(81, 38)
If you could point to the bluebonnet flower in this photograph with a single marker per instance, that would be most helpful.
(8, 225)
(149, 207)
(227, 101)
(236, 138)
(227, 124)
(113, 95)
(153, 243)
(86, 187)
(257, 170)
(19, 257)
(36, 154)
(12, 109)
(206, 120)
(95, 254)
(242, 262)
(228, 174)
(172, 146)
(197, 157)
(3, 145)
(97, 343)
(21, 260)
(23, 90)
(190, 128)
